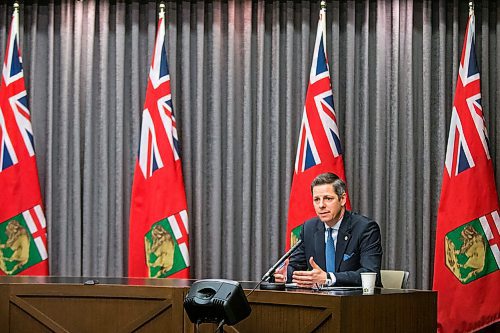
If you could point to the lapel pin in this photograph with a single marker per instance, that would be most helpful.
(346, 237)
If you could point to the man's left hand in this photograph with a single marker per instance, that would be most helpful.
(309, 279)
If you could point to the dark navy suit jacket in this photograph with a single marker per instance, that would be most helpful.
(358, 249)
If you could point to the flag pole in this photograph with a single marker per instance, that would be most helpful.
(16, 15)
(161, 16)
(162, 10)
(322, 15)
(15, 26)
(322, 8)
(471, 8)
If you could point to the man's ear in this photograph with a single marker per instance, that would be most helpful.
(343, 199)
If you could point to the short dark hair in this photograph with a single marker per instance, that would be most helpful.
(330, 178)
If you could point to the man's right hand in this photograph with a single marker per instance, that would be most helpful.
(280, 273)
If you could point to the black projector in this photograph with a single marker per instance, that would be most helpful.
(216, 301)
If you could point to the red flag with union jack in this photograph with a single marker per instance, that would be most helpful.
(467, 258)
(23, 230)
(158, 235)
(319, 149)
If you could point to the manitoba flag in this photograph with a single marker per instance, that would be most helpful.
(158, 235)
(467, 258)
(319, 149)
(23, 231)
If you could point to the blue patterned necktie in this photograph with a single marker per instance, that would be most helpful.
(330, 252)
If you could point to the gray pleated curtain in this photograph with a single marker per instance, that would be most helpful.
(239, 73)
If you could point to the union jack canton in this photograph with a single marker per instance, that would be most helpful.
(159, 110)
(467, 98)
(15, 118)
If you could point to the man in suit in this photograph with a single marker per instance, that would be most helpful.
(337, 245)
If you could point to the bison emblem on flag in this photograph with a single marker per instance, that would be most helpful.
(470, 249)
(166, 246)
(22, 241)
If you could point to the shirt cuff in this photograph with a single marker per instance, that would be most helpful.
(331, 279)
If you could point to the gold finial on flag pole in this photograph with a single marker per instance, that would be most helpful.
(471, 8)
(16, 6)
(322, 5)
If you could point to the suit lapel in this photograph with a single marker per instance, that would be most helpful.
(343, 238)
(319, 245)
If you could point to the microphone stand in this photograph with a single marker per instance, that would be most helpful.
(264, 284)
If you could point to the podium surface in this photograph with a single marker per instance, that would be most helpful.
(78, 304)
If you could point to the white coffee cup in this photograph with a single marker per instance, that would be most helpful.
(368, 282)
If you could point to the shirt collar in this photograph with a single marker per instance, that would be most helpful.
(337, 225)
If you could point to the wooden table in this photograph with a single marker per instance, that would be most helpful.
(55, 304)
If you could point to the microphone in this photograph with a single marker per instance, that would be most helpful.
(275, 286)
(287, 255)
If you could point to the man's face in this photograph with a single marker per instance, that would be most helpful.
(327, 204)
